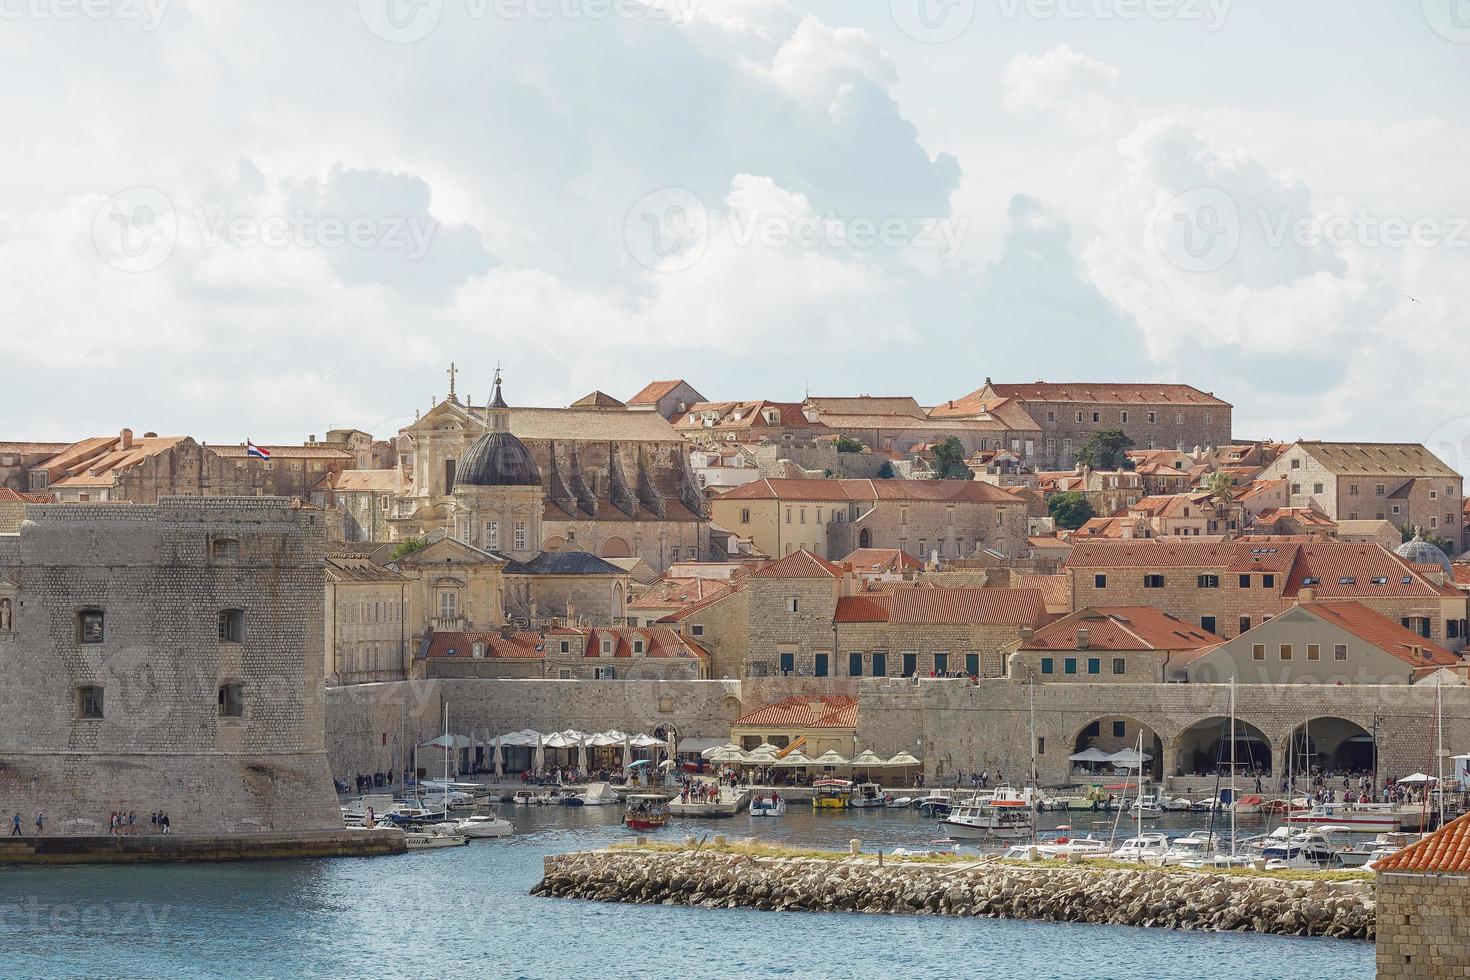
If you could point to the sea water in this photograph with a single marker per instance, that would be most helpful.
(465, 912)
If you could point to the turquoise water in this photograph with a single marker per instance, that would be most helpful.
(465, 912)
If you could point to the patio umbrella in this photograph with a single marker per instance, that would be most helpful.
(640, 762)
(830, 759)
(763, 755)
(904, 759)
(793, 760)
(499, 765)
(647, 742)
(1129, 759)
(1093, 754)
(539, 763)
(1417, 779)
(867, 759)
(709, 753)
(726, 753)
(582, 755)
(627, 752)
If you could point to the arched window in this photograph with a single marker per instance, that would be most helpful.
(7, 616)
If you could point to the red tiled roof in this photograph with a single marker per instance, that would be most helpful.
(816, 711)
(659, 642)
(1121, 628)
(10, 496)
(1351, 570)
(668, 593)
(800, 564)
(1150, 553)
(702, 604)
(1382, 632)
(1106, 393)
(978, 607)
(1446, 851)
(518, 646)
(653, 391)
(1053, 588)
(361, 481)
(882, 560)
(318, 450)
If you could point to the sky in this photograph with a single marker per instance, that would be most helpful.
(264, 218)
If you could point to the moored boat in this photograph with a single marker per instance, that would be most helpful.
(434, 837)
(1358, 818)
(832, 794)
(767, 806)
(646, 811)
(981, 819)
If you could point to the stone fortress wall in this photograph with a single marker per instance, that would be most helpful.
(116, 664)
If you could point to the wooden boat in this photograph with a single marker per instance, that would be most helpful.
(646, 811)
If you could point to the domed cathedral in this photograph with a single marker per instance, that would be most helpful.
(497, 491)
(613, 482)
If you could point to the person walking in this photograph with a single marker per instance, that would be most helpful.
(40, 824)
(15, 825)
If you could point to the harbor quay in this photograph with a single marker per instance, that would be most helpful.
(735, 877)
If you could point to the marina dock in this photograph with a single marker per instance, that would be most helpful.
(162, 848)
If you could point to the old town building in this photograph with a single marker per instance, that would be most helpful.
(831, 518)
(1421, 892)
(669, 399)
(1108, 645)
(1154, 416)
(900, 424)
(366, 619)
(1399, 482)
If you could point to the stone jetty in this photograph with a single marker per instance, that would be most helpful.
(1166, 899)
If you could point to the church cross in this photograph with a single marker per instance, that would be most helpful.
(452, 372)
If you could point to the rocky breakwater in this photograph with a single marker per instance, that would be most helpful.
(1167, 899)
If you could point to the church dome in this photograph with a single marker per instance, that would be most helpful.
(498, 459)
(1421, 552)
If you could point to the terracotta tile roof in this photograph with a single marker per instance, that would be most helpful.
(1150, 553)
(696, 607)
(1053, 588)
(10, 496)
(1353, 570)
(977, 607)
(1106, 393)
(1007, 411)
(101, 469)
(866, 405)
(815, 711)
(318, 450)
(1461, 572)
(1382, 632)
(362, 481)
(1404, 459)
(653, 391)
(800, 564)
(518, 646)
(358, 568)
(33, 448)
(1446, 851)
(882, 560)
(597, 399)
(746, 415)
(670, 593)
(659, 643)
(1121, 628)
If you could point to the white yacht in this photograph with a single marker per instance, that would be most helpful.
(866, 795)
(431, 838)
(1302, 852)
(1141, 848)
(482, 825)
(981, 819)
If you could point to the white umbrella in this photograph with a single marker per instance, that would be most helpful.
(868, 758)
(728, 746)
(499, 765)
(1417, 779)
(725, 753)
(582, 755)
(794, 760)
(539, 763)
(647, 742)
(1129, 759)
(829, 758)
(627, 752)
(1093, 754)
(904, 759)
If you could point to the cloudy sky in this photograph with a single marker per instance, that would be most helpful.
(265, 218)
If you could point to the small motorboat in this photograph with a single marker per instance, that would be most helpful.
(646, 811)
(1249, 804)
(933, 805)
(597, 794)
(480, 826)
(524, 797)
(898, 802)
(1142, 848)
(436, 836)
(767, 806)
(866, 796)
(1309, 851)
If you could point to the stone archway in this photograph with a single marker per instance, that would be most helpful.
(554, 543)
(1204, 748)
(1330, 744)
(1114, 733)
(615, 547)
(865, 538)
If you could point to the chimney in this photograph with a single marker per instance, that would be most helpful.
(506, 630)
(1082, 638)
(125, 439)
(1027, 633)
(1307, 596)
(311, 439)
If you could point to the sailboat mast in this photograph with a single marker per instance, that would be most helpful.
(1439, 744)
(1234, 801)
(1035, 788)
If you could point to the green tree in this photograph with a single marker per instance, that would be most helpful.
(407, 547)
(949, 461)
(847, 444)
(1070, 509)
(1220, 488)
(1106, 449)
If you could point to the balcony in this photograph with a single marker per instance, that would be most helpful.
(447, 624)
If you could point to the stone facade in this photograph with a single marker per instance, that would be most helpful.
(1422, 930)
(168, 657)
(367, 622)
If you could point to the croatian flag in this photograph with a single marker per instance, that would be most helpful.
(251, 449)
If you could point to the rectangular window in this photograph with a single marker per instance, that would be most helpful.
(880, 663)
(1339, 651)
(564, 674)
(89, 703)
(232, 626)
(1316, 488)
(941, 662)
(1245, 581)
(1286, 651)
(788, 515)
(1123, 417)
(448, 605)
(1207, 623)
(603, 673)
(1120, 729)
(820, 665)
(1314, 651)
(791, 603)
(1048, 666)
(566, 646)
(520, 535)
(90, 626)
(224, 549)
(1209, 581)
(232, 701)
(1153, 417)
(854, 665)
(745, 515)
(492, 535)
(1153, 581)
(697, 629)
(910, 664)
(972, 664)
(1094, 665)
(1096, 416)
(1268, 581)
(1244, 624)
(1258, 651)
(1069, 666)
(1119, 666)
(788, 663)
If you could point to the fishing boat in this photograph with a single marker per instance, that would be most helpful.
(646, 811)
(432, 838)
(1358, 818)
(832, 794)
(483, 825)
(980, 819)
(866, 796)
(767, 806)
